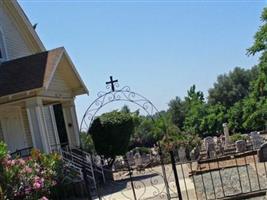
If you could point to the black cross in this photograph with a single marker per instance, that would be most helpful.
(112, 83)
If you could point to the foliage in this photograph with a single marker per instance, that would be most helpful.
(238, 136)
(232, 87)
(177, 111)
(211, 123)
(30, 178)
(111, 134)
(87, 142)
(195, 111)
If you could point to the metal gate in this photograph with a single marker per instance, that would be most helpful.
(172, 172)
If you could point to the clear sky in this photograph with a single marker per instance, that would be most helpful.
(158, 48)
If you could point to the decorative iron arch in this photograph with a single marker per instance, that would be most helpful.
(125, 94)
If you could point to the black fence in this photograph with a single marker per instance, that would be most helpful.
(166, 176)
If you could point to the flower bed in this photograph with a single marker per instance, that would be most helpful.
(35, 177)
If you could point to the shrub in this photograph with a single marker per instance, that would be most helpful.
(30, 178)
(238, 136)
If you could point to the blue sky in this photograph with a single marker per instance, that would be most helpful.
(158, 48)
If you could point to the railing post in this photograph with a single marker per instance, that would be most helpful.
(86, 183)
(164, 173)
(131, 178)
(176, 175)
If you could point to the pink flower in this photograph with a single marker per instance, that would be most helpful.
(27, 170)
(43, 198)
(21, 161)
(37, 185)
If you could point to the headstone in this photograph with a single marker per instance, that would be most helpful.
(137, 159)
(194, 154)
(211, 150)
(207, 141)
(226, 134)
(220, 145)
(130, 157)
(240, 146)
(182, 154)
(262, 153)
(256, 140)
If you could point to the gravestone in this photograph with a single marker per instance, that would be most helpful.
(211, 150)
(137, 159)
(130, 158)
(256, 140)
(226, 135)
(207, 141)
(182, 154)
(220, 145)
(240, 146)
(194, 154)
(262, 153)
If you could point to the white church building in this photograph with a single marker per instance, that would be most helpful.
(37, 87)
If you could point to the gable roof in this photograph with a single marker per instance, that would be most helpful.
(33, 72)
(24, 25)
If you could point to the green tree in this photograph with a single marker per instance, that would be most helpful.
(177, 111)
(232, 87)
(235, 117)
(195, 111)
(215, 116)
(111, 133)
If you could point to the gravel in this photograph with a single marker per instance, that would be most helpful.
(229, 181)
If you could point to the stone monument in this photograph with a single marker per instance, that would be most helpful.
(240, 146)
(262, 153)
(226, 135)
(256, 140)
(182, 154)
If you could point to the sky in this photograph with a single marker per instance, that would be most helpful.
(158, 48)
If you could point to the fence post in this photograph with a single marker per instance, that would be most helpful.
(176, 175)
(86, 183)
(131, 178)
(164, 173)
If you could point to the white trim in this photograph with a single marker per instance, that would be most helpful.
(75, 124)
(28, 24)
(4, 46)
(55, 68)
(66, 125)
(76, 72)
(31, 126)
(46, 129)
(22, 126)
(51, 111)
(42, 129)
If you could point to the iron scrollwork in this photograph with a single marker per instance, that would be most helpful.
(123, 94)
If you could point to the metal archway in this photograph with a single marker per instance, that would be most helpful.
(124, 94)
(114, 95)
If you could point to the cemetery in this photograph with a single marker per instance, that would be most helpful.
(196, 147)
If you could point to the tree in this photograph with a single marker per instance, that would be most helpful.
(235, 117)
(195, 110)
(111, 133)
(232, 87)
(215, 116)
(177, 111)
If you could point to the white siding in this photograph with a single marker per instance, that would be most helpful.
(26, 127)
(70, 129)
(58, 86)
(50, 128)
(15, 44)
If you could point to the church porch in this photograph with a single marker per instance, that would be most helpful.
(46, 124)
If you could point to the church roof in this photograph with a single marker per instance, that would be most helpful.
(31, 72)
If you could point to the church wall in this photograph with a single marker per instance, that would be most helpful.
(58, 87)
(15, 44)
(50, 128)
(26, 127)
